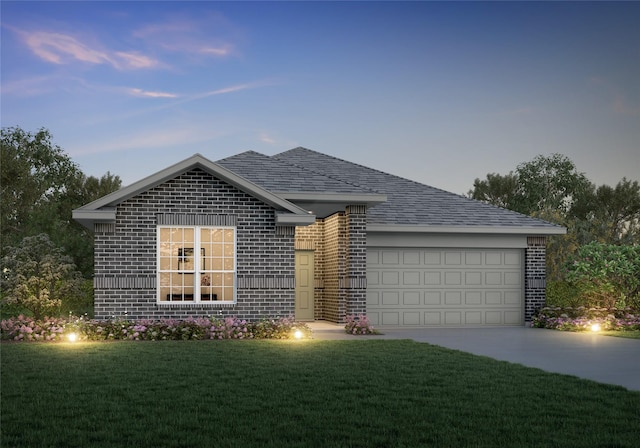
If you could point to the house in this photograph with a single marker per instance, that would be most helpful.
(315, 236)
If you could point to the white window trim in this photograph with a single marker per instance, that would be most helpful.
(197, 272)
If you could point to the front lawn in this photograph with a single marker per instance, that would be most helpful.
(307, 393)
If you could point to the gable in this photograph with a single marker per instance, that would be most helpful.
(103, 210)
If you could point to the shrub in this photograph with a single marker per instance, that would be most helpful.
(24, 328)
(359, 325)
(606, 275)
(582, 318)
(37, 276)
(562, 294)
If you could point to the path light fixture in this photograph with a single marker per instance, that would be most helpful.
(595, 327)
(72, 337)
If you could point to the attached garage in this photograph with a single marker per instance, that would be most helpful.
(436, 287)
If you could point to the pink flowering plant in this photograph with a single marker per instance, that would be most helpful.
(359, 325)
(582, 318)
(23, 328)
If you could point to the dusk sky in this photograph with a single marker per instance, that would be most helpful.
(438, 92)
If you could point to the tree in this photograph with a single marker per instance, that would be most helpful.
(41, 186)
(37, 276)
(502, 191)
(551, 188)
(551, 183)
(34, 171)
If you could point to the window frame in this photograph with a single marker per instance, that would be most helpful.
(197, 270)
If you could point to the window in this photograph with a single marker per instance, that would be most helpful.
(196, 264)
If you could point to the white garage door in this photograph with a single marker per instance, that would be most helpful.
(445, 287)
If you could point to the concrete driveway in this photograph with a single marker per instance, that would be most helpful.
(592, 356)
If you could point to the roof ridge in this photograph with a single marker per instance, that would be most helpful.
(353, 184)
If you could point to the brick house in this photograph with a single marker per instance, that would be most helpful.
(306, 234)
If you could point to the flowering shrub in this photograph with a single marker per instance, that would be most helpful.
(581, 318)
(359, 325)
(23, 328)
(283, 328)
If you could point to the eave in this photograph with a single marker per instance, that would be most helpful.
(509, 230)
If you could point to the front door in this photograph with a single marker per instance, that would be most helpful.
(304, 285)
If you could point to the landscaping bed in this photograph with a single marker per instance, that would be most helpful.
(24, 328)
(587, 319)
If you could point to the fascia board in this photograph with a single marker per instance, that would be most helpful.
(364, 198)
(290, 219)
(514, 230)
(88, 217)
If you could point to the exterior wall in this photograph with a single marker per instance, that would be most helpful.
(535, 276)
(339, 242)
(356, 275)
(334, 267)
(125, 254)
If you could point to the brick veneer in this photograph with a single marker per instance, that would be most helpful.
(340, 270)
(535, 276)
(125, 253)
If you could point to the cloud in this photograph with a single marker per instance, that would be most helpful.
(149, 94)
(266, 138)
(208, 36)
(57, 48)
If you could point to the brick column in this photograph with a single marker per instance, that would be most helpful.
(355, 280)
(535, 275)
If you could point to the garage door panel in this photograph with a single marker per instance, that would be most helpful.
(453, 297)
(411, 258)
(432, 297)
(411, 278)
(391, 258)
(473, 278)
(440, 287)
(473, 298)
(390, 278)
(432, 278)
(452, 258)
(390, 318)
(473, 317)
(411, 318)
(512, 278)
(411, 298)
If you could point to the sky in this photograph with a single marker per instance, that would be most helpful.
(438, 92)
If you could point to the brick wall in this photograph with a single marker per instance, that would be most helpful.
(535, 276)
(356, 274)
(125, 254)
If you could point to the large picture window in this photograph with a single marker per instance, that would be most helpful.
(196, 264)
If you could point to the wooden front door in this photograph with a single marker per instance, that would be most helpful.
(304, 285)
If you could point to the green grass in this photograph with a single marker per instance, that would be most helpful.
(630, 334)
(365, 393)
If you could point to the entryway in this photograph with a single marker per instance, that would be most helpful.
(304, 285)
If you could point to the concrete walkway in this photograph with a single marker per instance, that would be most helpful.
(592, 356)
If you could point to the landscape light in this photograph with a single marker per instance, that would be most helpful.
(298, 334)
(72, 337)
(595, 327)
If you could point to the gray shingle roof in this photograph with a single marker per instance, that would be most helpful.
(408, 202)
(280, 176)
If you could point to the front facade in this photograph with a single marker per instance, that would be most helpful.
(305, 234)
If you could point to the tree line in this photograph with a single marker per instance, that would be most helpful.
(45, 254)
